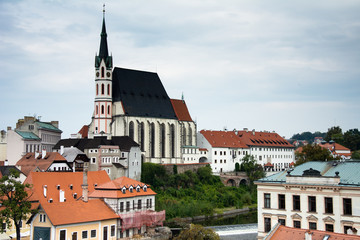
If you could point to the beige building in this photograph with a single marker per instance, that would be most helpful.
(321, 196)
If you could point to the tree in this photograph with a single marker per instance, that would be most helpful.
(237, 167)
(352, 139)
(253, 170)
(312, 152)
(14, 200)
(197, 232)
(334, 133)
(356, 155)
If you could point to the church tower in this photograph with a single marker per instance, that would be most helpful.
(103, 86)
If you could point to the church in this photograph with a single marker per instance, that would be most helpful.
(134, 103)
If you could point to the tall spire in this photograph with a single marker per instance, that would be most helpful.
(103, 52)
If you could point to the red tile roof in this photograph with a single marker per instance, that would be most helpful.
(78, 212)
(203, 149)
(29, 163)
(65, 180)
(181, 110)
(223, 139)
(265, 139)
(113, 189)
(334, 147)
(286, 233)
(84, 131)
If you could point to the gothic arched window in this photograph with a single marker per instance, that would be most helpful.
(190, 136)
(97, 89)
(102, 89)
(97, 109)
(108, 88)
(102, 109)
(162, 139)
(102, 72)
(172, 140)
(152, 140)
(109, 109)
(131, 130)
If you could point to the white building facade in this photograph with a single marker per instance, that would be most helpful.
(315, 195)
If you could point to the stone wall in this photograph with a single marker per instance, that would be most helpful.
(181, 168)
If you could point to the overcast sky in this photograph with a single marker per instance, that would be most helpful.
(284, 66)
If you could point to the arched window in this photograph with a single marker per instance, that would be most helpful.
(162, 139)
(102, 72)
(142, 136)
(109, 109)
(131, 130)
(102, 89)
(152, 140)
(97, 89)
(172, 140)
(190, 137)
(97, 109)
(102, 109)
(108, 88)
(184, 136)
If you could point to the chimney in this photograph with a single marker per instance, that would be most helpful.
(253, 132)
(84, 186)
(308, 235)
(61, 150)
(6, 162)
(62, 196)
(8, 128)
(43, 154)
(37, 154)
(55, 123)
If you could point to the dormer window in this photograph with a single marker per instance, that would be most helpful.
(50, 200)
(131, 189)
(71, 187)
(123, 190)
(138, 188)
(58, 187)
(45, 190)
(145, 188)
(75, 195)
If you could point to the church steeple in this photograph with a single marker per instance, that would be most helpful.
(103, 50)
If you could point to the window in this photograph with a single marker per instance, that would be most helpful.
(215, 153)
(329, 227)
(102, 72)
(102, 109)
(93, 160)
(42, 218)
(266, 200)
(97, 89)
(127, 206)
(267, 224)
(112, 231)
(328, 205)
(281, 198)
(312, 203)
(297, 224)
(346, 228)
(296, 202)
(93, 233)
(121, 206)
(108, 89)
(347, 206)
(74, 236)
(109, 109)
(282, 221)
(62, 234)
(150, 203)
(84, 234)
(102, 89)
(139, 204)
(312, 225)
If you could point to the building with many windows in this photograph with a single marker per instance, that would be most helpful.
(226, 148)
(134, 103)
(315, 195)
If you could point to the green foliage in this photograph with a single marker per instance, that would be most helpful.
(237, 167)
(175, 169)
(352, 139)
(334, 133)
(197, 232)
(153, 174)
(312, 152)
(308, 136)
(14, 200)
(356, 155)
(253, 170)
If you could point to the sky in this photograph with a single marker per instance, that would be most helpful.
(284, 66)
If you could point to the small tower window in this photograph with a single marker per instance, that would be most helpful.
(102, 109)
(97, 109)
(102, 89)
(97, 89)
(108, 88)
(109, 109)
(102, 72)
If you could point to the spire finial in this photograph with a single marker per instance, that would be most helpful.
(104, 9)
(182, 96)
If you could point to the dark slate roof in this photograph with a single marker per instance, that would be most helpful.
(141, 93)
(124, 143)
(5, 170)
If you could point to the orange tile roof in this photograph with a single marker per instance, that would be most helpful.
(84, 131)
(181, 110)
(64, 179)
(265, 139)
(334, 146)
(29, 163)
(286, 233)
(223, 139)
(203, 149)
(78, 212)
(113, 189)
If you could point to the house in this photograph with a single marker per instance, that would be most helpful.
(135, 103)
(315, 195)
(31, 135)
(118, 156)
(44, 161)
(134, 201)
(282, 232)
(337, 150)
(75, 157)
(226, 148)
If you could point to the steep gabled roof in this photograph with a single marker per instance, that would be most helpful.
(29, 163)
(70, 183)
(142, 94)
(223, 139)
(263, 139)
(78, 212)
(181, 110)
(114, 188)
